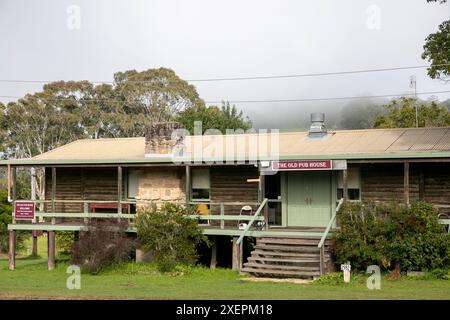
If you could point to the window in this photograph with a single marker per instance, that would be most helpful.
(200, 186)
(353, 184)
(132, 183)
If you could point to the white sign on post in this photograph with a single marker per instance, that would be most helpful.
(346, 269)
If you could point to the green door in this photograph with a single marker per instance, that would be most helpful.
(308, 198)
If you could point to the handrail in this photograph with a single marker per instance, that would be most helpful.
(83, 215)
(257, 213)
(325, 234)
(224, 217)
(138, 201)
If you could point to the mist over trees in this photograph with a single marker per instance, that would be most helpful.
(359, 114)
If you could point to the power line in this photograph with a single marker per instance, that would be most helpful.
(250, 101)
(312, 74)
(333, 98)
(248, 77)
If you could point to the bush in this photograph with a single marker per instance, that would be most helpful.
(170, 235)
(360, 239)
(417, 240)
(390, 235)
(65, 241)
(5, 219)
(103, 244)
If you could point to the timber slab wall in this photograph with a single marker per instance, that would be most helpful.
(427, 181)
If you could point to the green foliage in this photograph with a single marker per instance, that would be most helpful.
(401, 113)
(437, 50)
(213, 117)
(416, 239)
(436, 274)
(388, 235)
(65, 241)
(360, 238)
(152, 95)
(105, 243)
(5, 219)
(337, 279)
(169, 234)
(65, 111)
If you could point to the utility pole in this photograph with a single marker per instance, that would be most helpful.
(413, 84)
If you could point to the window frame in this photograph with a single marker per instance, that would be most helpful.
(200, 200)
(338, 189)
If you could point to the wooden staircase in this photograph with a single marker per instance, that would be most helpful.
(288, 257)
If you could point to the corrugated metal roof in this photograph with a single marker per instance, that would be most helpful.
(122, 148)
(371, 143)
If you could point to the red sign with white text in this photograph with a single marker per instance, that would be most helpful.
(24, 210)
(302, 165)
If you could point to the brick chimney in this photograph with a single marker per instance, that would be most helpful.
(161, 139)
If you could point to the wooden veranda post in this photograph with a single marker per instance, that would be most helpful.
(12, 250)
(14, 189)
(345, 184)
(53, 192)
(34, 237)
(406, 182)
(421, 185)
(261, 196)
(119, 190)
(188, 185)
(236, 258)
(51, 250)
(12, 233)
(34, 250)
(9, 181)
(213, 253)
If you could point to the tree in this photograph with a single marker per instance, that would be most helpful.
(152, 95)
(437, 50)
(213, 117)
(45, 120)
(401, 113)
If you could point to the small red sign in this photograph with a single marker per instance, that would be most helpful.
(302, 165)
(24, 210)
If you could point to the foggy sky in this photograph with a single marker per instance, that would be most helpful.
(210, 39)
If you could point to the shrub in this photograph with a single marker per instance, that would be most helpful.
(5, 219)
(416, 239)
(436, 274)
(65, 241)
(103, 244)
(360, 239)
(390, 235)
(169, 234)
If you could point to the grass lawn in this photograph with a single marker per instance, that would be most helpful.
(31, 279)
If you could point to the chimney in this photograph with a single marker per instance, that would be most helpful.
(163, 139)
(317, 128)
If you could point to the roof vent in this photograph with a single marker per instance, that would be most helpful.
(317, 128)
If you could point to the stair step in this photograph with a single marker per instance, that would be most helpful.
(286, 254)
(291, 241)
(279, 267)
(255, 258)
(282, 272)
(287, 248)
